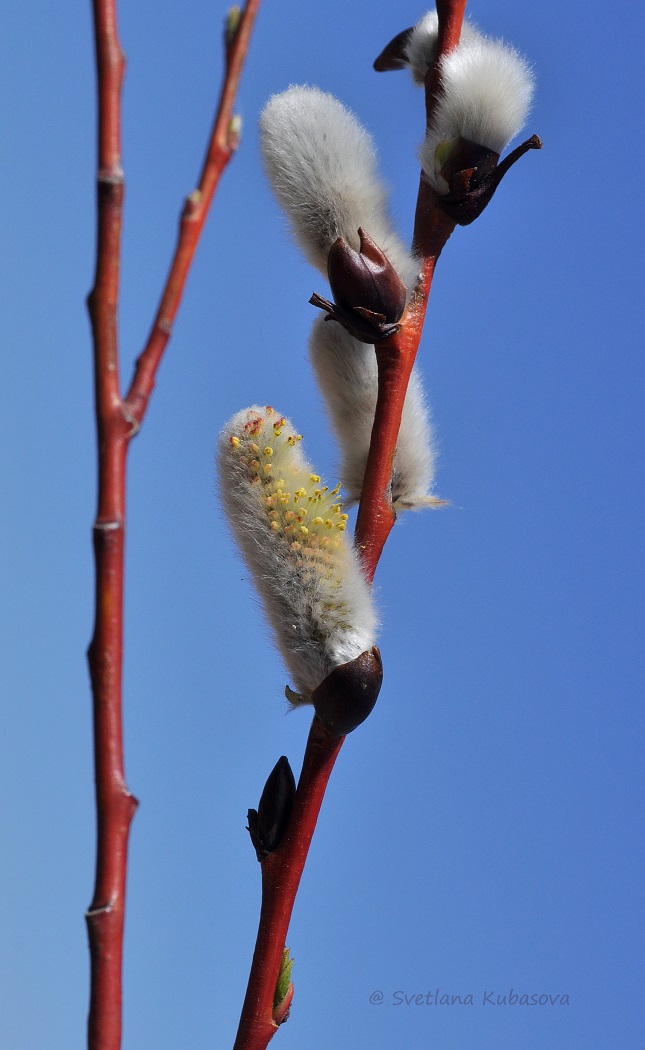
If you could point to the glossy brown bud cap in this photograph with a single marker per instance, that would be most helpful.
(473, 174)
(347, 695)
(393, 56)
(365, 280)
(369, 295)
(267, 824)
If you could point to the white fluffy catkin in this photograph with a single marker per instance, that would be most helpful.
(291, 531)
(421, 46)
(487, 90)
(321, 164)
(347, 375)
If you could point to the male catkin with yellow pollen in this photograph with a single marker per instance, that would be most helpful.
(291, 529)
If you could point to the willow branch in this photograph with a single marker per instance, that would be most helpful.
(395, 356)
(281, 873)
(117, 421)
(282, 869)
(115, 805)
(222, 144)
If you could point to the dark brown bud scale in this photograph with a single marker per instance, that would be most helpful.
(267, 824)
(365, 280)
(369, 295)
(348, 694)
(393, 55)
(473, 174)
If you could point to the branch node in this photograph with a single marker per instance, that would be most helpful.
(110, 176)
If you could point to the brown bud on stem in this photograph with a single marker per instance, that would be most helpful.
(369, 295)
(347, 695)
(393, 55)
(473, 174)
(268, 822)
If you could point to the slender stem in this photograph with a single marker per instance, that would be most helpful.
(223, 143)
(117, 421)
(395, 357)
(282, 869)
(281, 872)
(115, 805)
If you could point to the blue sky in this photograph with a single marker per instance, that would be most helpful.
(481, 830)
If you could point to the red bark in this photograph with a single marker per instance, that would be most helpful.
(281, 870)
(117, 421)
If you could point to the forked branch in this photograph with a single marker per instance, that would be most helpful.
(117, 421)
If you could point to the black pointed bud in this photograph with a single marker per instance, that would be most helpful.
(393, 55)
(473, 174)
(347, 695)
(369, 295)
(267, 824)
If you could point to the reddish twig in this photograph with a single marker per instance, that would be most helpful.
(395, 356)
(281, 872)
(282, 869)
(395, 359)
(223, 143)
(117, 421)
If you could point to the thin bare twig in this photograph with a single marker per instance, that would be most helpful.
(117, 421)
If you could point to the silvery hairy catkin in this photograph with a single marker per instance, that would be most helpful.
(486, 92)
(291, 530)
(347, 376)
(321, 164)
(322, 167)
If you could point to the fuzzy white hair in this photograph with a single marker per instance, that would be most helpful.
(321, 164)
(291, 531)
(487, 88)
(347, 376)
(420, 48)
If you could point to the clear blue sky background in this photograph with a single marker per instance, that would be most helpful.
(481, 831)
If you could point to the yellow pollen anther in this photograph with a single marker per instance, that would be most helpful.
(344, 517)
(341, 526)
(314, 477)
(304, 530)
(275, 525)
(268, 467)
(318, 521)
(290, 515)
(235, 442)
(268, 451)
(329, 524)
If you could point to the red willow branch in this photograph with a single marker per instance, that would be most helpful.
(395, 356)
(117, 421)
(282, 869)
(281, 873)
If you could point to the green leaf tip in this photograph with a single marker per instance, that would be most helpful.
(231, 24)
(284, 978)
